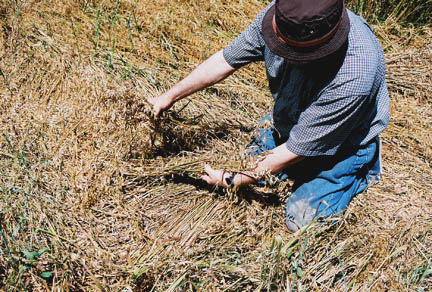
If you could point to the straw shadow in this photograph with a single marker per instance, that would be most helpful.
(173, 140)
(247, 194)
(172, 133)
(250, 194)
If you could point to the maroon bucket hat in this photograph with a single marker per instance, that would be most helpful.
(306, 30)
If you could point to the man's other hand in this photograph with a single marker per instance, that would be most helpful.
(215, 177)
(160, 104)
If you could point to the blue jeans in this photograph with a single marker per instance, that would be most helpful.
(323, 185)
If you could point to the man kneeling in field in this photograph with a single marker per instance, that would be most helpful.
(326, 73)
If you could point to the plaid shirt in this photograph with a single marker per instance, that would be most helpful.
(321, 105)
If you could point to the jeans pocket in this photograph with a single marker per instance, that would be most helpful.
(362, 158)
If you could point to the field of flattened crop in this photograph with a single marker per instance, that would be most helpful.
(95, 195)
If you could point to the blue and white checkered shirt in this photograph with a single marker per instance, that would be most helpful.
(322, 105)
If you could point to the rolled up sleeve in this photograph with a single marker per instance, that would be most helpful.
(248, 46)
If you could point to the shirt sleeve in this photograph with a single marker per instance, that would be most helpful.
(327, 123)
(249, 45)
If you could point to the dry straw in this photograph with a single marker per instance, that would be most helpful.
(97, 196)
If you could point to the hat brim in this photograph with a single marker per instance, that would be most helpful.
(301, 54)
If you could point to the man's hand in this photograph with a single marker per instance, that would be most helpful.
(278, 159)
(215, 177)
(160, 104)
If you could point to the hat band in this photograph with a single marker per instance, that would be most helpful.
(309, 43)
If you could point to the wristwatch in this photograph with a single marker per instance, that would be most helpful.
(229, 180)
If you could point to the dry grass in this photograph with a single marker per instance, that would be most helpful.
(96, 196)
(405, 12)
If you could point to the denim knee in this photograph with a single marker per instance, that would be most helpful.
(299, 213)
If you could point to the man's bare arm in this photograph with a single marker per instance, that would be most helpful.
(211, 71)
